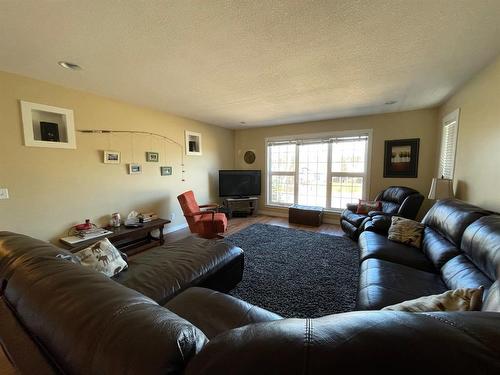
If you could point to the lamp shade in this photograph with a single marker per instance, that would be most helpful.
(441, 188)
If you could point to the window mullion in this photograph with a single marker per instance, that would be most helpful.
(329, 177)
(296, 179)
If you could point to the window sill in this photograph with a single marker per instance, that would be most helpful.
(326, 210)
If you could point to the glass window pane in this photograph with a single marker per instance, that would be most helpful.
(346, 190)
(282, 158)
(313, 169)
(349, 156)
(282, 188)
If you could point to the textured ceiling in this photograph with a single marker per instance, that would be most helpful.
(261, 62)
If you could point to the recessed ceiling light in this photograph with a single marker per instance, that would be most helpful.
(68, 65)
(390, 102)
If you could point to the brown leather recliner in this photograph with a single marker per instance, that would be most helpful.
(395, 200)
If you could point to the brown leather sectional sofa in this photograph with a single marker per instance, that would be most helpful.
(58, 317)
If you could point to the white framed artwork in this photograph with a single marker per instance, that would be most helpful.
(193, 143)
(111, 157)
(47, 126)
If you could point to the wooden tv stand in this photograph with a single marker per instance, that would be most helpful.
(242, 206)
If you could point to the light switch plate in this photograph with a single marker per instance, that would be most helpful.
(4, 193)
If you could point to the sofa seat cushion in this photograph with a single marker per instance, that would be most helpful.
(162, 272)
(460, 272)
(385, 283)
(353, 218)
(214, 312)
(217, 225)
(376, 246)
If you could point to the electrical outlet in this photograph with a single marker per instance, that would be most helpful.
(172, 217)
(4, 193)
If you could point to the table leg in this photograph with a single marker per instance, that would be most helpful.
(162, 239)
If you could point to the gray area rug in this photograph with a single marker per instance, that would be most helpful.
(296, 273)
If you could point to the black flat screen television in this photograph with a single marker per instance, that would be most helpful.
(244, 183)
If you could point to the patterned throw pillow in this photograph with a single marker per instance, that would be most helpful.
(452, 300)
(406, 231)
(102, 257)
(366, 206)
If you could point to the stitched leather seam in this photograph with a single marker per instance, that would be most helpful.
(462, 329)
(307, 345)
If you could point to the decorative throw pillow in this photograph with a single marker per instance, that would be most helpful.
(406, 231)
(366, 206)
(102, 257)
(453, 300)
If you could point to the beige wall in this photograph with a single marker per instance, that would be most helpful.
(477, 171)
(52, 189)
(412, 124)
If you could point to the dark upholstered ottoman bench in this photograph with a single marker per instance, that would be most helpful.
(305, 215)
(165, 271)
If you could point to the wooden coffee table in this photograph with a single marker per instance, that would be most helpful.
(128, 240)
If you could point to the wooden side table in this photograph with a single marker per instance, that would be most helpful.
(128, 240)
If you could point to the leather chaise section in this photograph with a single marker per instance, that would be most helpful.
(385, 283)
(359, 342)
(84, 320)
(165, 271)
(376, 246)
(214, 312)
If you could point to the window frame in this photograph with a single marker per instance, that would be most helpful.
(450, 119)
(295, 174)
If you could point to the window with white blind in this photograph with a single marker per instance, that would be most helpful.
(449, 140)
(318, 170)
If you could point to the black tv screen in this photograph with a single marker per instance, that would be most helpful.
(242, 183)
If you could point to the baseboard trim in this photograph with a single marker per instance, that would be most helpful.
(328, 218)
(169, 229)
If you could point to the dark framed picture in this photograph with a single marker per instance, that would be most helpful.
(401, 158)
(166, 171)
(152, 157)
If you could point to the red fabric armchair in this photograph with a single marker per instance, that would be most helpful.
(207, 224)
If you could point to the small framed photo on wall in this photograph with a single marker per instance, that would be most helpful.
(134, 168)
(401, 158)
(152, 157)
(166, 171)
(111, 157)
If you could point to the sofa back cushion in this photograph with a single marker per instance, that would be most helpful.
(17, 249)
(438, 249)
(481, 243)
(492, 301)
(450, 218)
(460, 272)
(90, 324)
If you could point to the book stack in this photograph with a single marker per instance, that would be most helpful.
(147, 217)
(91, 233)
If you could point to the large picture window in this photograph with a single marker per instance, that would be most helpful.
(327, 171)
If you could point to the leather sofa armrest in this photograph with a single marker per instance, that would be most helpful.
(379, 224)
(375, 213)
(214, 312)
